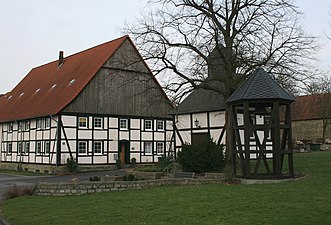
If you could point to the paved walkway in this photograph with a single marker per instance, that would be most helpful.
(7, 180)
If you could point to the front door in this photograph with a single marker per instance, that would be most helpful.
(124, 152)
(197, 138)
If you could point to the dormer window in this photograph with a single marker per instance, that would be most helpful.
(54, 85)
(21, 94)
(10, 97)
(37, 91)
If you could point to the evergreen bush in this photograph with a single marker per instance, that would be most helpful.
(72, 164)
(206, 156)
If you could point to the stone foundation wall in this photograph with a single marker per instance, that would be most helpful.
(36, 168)
(309, 130)
(64, 189)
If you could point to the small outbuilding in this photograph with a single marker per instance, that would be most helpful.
(262, 143)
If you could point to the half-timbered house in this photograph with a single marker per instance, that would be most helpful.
(202, 113)
(97, 106)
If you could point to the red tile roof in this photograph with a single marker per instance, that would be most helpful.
(34, 96)
(309, 107)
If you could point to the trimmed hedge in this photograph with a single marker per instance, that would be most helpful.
(204, 157)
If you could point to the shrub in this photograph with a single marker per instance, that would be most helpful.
(204, 157)
(14, 191)
(95, 178)
(72, 164)
(129, 177)
(133, 162)
(164, 162)
(118, 164)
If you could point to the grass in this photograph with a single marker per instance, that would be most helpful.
(306, 201)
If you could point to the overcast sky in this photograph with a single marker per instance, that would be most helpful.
(34, 31)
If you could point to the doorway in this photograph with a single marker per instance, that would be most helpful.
(124, 152)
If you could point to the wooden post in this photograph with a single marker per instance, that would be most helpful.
(247, 132)
(290, 143)
(276, 150)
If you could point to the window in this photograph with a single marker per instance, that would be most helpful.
(40, 123)
(159, 148)
(27, 125)
(82, 147)
(160, 125)
(98, 122)
(19, 147)
(10, 127)
(9, 148)
(26, 147)
(20, 125)
(148, 125)
(38, 147)
(97, 147)
(47, 122)
(124, 124)
(47, 147)
(148, 147)
(82, 122)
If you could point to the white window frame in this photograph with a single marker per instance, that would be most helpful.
(99, 150)
(159, 148)
(148, 148)
(47, 147)
(19, 147)
(158, 123)
(47, 122)
(40, 122)
(20, 125)
(82, 124)
(82, 151)
(98, 122)
(9, 148)
(10, 127)
(26, 147)
(124, 124)
(148, 124)
(27, 125)
(38, 148)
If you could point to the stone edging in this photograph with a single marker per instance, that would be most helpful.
(63, 189)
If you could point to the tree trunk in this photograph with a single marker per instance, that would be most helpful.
(228, 142)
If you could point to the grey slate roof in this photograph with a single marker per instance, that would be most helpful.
(201, 100)
(260, 86)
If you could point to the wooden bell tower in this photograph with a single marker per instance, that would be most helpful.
(261, 134)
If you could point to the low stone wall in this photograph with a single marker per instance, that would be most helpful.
(30, 167)
(64, 189)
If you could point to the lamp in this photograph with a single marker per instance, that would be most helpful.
(196, 122)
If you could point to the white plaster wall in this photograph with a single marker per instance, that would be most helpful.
(217, 118)
(147, 136)
(124, 135)
(69, 120)
(183, 121)
(84, 134)
(113, 122)
(135, 123)
(135, 134)
(100, 134)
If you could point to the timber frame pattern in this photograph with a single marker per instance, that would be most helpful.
(268, 141)
(280, 142)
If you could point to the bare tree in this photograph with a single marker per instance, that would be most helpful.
(321, 88)
(178, 36)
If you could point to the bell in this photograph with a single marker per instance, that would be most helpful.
(260, 109)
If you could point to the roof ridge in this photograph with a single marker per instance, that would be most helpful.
(85, 50)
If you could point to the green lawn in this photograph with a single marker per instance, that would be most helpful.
(306, 201)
